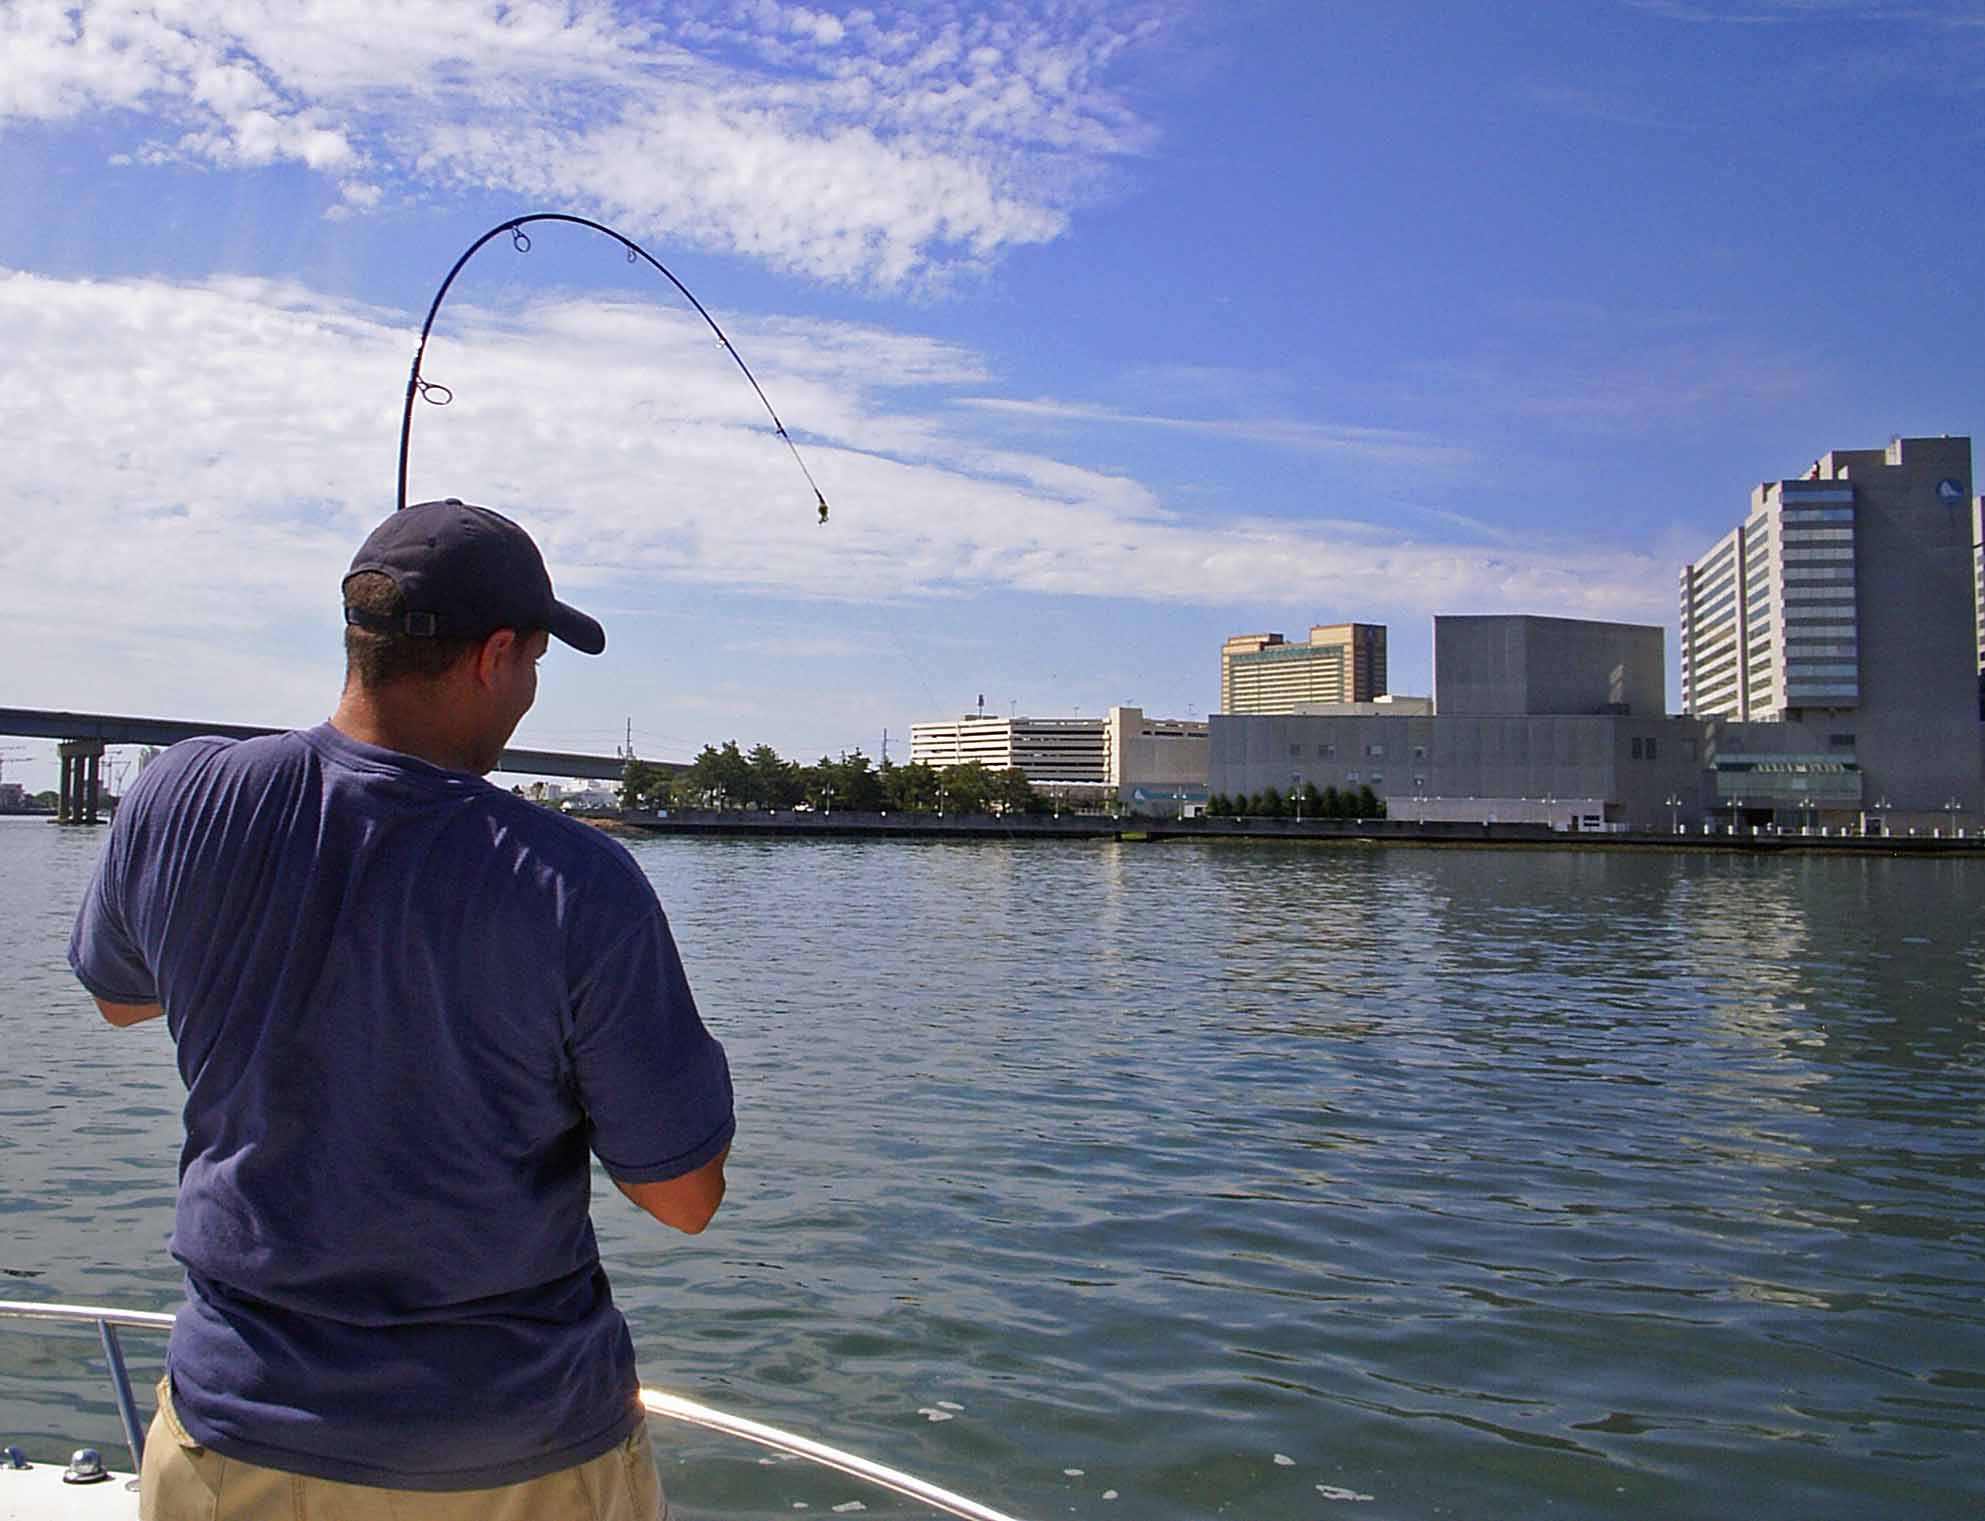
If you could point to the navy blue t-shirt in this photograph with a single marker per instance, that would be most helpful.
(406, 1005)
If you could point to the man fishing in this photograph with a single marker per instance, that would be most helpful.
(407, 1006)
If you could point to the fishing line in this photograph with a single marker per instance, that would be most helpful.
(439, 395)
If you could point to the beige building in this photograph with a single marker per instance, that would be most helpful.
(1100, 757)
(1154, 753)
(1341, 662)
(1046, 751)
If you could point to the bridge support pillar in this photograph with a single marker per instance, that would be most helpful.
(82, 781)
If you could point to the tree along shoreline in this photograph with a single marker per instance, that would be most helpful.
(726, 778)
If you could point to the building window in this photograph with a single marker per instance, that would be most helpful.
(1841, 741)
(1419, 752)
(1375, 751)
(1636, 749)
(1650, 749)
(1294, 751)
(1350, 776)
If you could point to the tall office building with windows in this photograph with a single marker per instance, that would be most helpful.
(1341, 662)
(1846, 604)
(1769, 615)
(1978, 591)
(1850, 588)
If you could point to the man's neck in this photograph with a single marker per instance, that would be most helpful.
(404, 720)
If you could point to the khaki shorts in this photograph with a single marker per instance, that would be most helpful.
(183, 1481)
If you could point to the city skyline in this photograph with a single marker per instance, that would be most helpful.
(1109, 331)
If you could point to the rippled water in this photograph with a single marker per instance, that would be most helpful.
(1194, 1179)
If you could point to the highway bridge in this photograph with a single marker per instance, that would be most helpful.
(82, 737)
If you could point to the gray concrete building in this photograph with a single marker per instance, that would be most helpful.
(1523, 664)
(1833, 665)
(1577, 771)
(1557, 720)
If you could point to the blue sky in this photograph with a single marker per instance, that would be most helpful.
(1109, 329)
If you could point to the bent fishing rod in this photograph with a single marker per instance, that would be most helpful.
(440, 395)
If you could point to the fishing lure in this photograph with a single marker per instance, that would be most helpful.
(440, 395)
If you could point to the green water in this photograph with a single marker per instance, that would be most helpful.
(1243, 1179)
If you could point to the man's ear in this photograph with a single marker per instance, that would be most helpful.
(490, 659)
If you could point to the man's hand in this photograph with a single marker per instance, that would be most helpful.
(687, 1202)
(122, 1014)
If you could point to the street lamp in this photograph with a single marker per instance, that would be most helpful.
(1951, 806)
(1296, 790)
(1882, 806)
(830, 800)
(1674, 806)
(1736, 814)
(1806, 806)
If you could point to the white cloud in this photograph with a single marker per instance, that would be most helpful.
(195, 461)
(892, 146)
(1387, 445)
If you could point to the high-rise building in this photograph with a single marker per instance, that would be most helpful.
(1341, 662)
(1978, 591)
(1846, 606)
(1853, 587)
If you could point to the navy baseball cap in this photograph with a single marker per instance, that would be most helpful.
(465, 572)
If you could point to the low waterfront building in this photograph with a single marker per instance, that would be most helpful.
(1593, 770)
(1155, 758)
(1057, 752)
(1340, 662)
(1082, 759)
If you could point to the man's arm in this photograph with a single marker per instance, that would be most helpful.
(122, 1014)
(687, 1202)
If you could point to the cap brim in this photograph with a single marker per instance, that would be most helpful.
(570, 626)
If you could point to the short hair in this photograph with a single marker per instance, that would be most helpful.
(378, 657)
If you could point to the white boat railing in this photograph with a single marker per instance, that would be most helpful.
(672, 1407)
